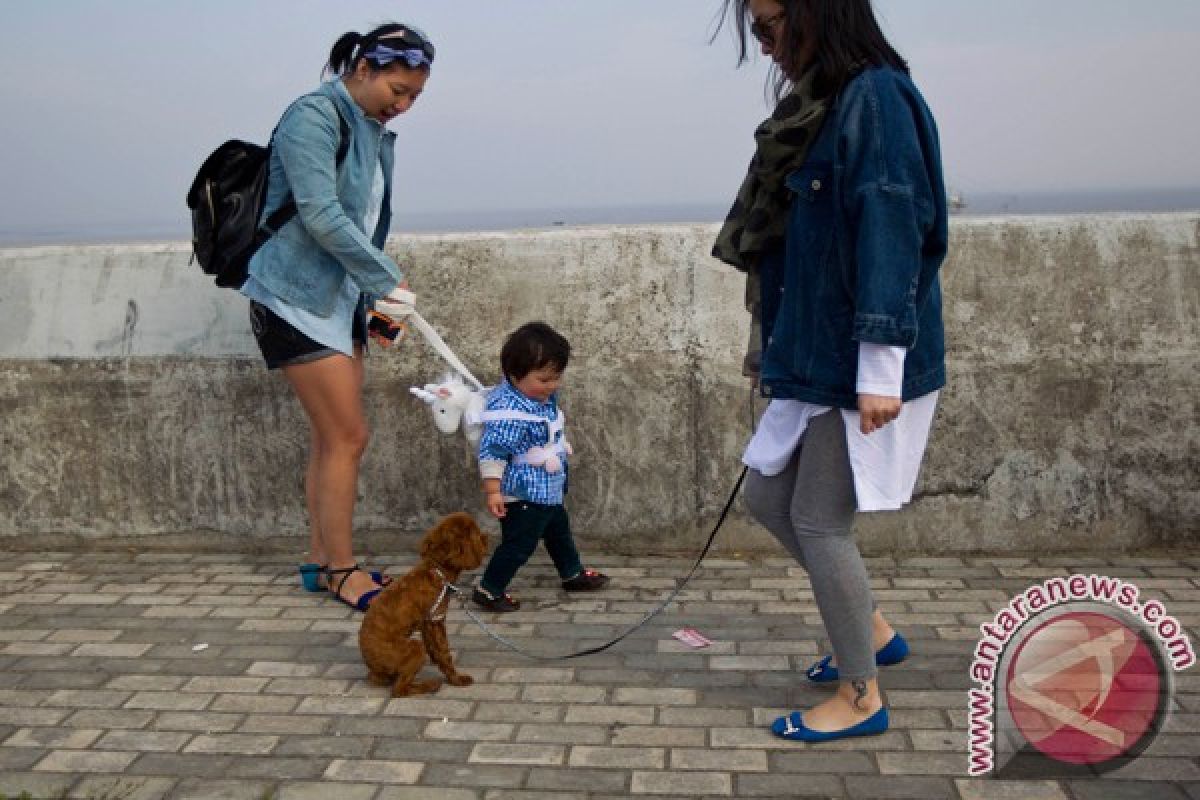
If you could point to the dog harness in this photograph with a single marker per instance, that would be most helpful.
(434, 615)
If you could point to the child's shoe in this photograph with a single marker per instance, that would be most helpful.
(587, 581)
(486, 600)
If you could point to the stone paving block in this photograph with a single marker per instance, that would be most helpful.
(19, 758)
(921, 763)
(146, 683)
(169, 701)
(1105, 789)
(890, 787)
(609, 715)
(575, 778)
(216, 789)
(787, 786)
(85, 761)
(456, 730)
(415, 748)
(34, 784)
(53, 738)
(232, 744)
(321, 791)
(563, 694)
(87, 698)
(225, 685)
(257, 704)
(143, 741)
(340, 705)
(276, 768)
(975, 789)
(344, 747)
(427, 706)
(718, 760)
(283, 669)
(107, 787)
(750, 663)
(718, 784)
(544, 755)
(951, 741)
(36, 649)
(817, 760)
(562, 734)
(518, 712)
(655, 697)
(33, 716)
(284, 724)
(539, 675)
(617, 757)
(704, 717)
(498, 776)
(657, 736)
(202, 722)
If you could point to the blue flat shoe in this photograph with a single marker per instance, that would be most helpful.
(311, 573)
(891, 653)
(792, 727)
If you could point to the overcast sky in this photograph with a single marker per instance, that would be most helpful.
(108, 106)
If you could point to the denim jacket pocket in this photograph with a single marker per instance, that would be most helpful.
(812, 218)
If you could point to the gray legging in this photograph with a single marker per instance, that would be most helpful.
(809, 508)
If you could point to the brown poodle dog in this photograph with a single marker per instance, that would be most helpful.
(418, 602)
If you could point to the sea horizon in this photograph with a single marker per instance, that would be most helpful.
(492, 220)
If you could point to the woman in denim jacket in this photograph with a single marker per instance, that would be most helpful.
(310, 284)
(841, 228)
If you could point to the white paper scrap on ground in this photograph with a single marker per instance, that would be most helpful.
(692, 637)
(197, 648)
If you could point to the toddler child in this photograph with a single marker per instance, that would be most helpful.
(523, 461)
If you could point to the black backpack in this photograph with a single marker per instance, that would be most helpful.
(227, 199)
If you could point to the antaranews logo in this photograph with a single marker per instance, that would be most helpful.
(1074, 678)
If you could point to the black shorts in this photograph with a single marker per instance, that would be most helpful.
(282, 345)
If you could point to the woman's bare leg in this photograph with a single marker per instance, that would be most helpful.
(330, 391)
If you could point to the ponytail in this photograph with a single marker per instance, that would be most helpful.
(341, 57)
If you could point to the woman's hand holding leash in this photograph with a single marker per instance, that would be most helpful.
(385, 322)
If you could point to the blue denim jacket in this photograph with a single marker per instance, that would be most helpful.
(305, 261)
(866, 235)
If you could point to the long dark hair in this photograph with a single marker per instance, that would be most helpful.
(846, 34)
(350, 46)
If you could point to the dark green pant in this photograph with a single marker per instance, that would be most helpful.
(522, 527)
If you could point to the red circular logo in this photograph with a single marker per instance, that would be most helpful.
(1084, 688)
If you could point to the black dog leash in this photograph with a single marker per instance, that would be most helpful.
(653, 613)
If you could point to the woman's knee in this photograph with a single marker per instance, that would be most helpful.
(345, 441)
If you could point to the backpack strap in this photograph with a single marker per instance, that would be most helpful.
(282, 215)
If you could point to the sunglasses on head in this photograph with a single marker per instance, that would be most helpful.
(764, 29)
(403, 44)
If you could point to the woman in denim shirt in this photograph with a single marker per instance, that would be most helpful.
(841, 228)
(310, 284)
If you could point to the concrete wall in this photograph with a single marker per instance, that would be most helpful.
(132, 400)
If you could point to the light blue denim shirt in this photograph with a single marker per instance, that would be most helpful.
(305, 262)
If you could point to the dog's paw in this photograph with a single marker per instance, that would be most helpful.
(459, 679)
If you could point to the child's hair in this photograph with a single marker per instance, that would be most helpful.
(532, 346)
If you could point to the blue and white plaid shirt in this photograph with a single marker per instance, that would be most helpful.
(504, 439)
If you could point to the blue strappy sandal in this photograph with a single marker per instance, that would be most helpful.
(891, 653)
(364, 600)
(310, 577)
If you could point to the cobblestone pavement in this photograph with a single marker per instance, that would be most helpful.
(145, 675)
